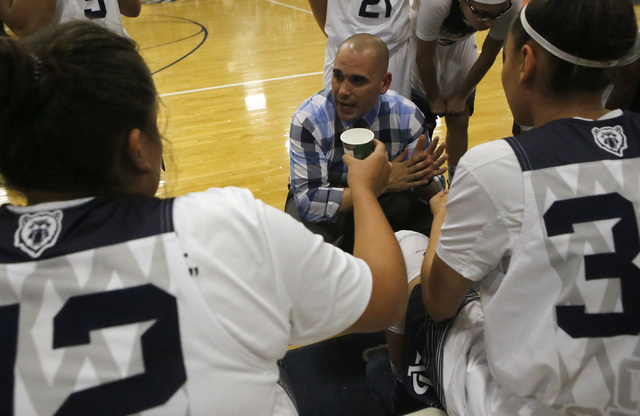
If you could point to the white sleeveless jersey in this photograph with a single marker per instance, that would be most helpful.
(105, 13)
(163, 307)
(388, 19)
(562, 324)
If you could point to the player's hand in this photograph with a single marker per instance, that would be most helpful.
(438, 106)
(456, 104)
(371, 173)
(438, 202)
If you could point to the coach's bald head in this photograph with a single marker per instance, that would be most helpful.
(365, 42)
(360, 75)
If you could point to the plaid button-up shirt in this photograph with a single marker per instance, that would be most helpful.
(318, 175)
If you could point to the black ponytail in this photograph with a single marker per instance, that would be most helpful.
(598, 30)
(70, 95)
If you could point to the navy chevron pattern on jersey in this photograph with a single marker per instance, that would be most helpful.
(610, 139)
(98, 223)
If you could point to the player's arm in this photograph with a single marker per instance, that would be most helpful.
(426, 63)
(346, 203)
(24, 17)
(130, 8)
(490, 49)
(319, 10)
(375, 242)
(443, 289)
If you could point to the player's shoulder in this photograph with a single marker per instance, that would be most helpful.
(487, 154)
(229, 195)
(216, 204)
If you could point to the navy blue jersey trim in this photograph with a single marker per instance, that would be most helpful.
(571, 141)
(97, 223)
(521, 154)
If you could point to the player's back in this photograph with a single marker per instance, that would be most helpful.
(100, 315)
(562, 324)
(105, 13)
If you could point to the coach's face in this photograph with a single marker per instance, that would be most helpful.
(357, 82)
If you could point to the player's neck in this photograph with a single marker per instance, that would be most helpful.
(39, 197)
(587, 106)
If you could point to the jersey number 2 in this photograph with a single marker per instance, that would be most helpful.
(363, 8)
(559, 219)
(96, 14)
(161, 349)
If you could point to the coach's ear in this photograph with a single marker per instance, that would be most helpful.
(386, 83)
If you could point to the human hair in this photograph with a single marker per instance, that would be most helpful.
(363, 41)
(70, 95)
(597, 30)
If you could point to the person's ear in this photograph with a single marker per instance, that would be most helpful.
(386, 83)
(528, 65)
(135, 150)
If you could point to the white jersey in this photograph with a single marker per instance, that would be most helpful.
(105, 13)
(163, 307)
(456, 52)
(442, 20)
(389, 20)
(553, 239)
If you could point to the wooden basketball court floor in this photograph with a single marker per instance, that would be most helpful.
(231, 73)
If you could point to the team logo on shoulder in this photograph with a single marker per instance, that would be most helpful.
(611, 139)
(37, 232)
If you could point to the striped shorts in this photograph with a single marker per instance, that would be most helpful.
(424, 343)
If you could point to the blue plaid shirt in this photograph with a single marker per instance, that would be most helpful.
(318, 175)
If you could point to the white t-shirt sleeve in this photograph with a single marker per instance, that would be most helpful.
(264, 275)
(431, 15)
(484, 211)
(328, 289)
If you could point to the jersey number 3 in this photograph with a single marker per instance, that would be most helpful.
(559, 219)
(96, 14)
(161, 349)
(363, 8)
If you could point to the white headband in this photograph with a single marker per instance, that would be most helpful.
(491, 1)
(568, 57)
(633, 55)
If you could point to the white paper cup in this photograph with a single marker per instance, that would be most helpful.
(357, 142)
